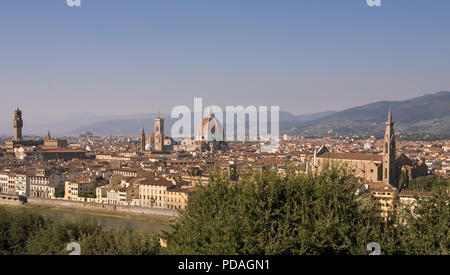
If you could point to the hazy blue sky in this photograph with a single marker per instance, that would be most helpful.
(126, 57)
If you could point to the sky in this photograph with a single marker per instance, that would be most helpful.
(117, 57)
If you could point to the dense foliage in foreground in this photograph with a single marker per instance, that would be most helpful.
(262, 214)
(304, 214)
(31, 234)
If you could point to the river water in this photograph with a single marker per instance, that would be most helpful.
(146, 224)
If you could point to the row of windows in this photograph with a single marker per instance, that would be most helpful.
(144, 197)
(152, 191)
(39, 188)
(158, 204)
(174, 200)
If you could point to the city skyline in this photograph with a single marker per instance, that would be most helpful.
(73, 124)
(304, 56)
(251, 128)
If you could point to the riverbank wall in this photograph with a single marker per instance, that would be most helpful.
(11, 200)
(93, 207)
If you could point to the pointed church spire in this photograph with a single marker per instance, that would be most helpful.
(142, 147)
(389, 151)
(49, 137)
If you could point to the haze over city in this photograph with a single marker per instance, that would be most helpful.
(122, 58)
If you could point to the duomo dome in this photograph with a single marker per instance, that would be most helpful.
(210, 129)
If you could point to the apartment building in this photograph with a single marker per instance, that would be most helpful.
(178, 197)
(22, 183)
(81, 189)
(45, 185)
(385, 197)
(126, 172)
(4, 182)
(153, 192)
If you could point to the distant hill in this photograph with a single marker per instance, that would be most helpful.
(122, 127)
(426, 114)
(288, 117)
(133, 126)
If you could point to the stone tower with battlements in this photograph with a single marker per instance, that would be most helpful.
(18, 124)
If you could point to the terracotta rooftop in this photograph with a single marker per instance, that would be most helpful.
(381, 186)
(182, 190)
(159, 182)
(351, 156)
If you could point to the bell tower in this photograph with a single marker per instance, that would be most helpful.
(18, 124)
(159, 134)
(389, 147)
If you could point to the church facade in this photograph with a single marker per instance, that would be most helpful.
(386, 167)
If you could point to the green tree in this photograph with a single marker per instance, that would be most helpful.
(426, 228)
(113, 242)
(15, 229)
(53, 239)
(266, 214)
(428, 183)
(22, 233)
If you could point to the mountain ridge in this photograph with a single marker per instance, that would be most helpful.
(429, 113)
